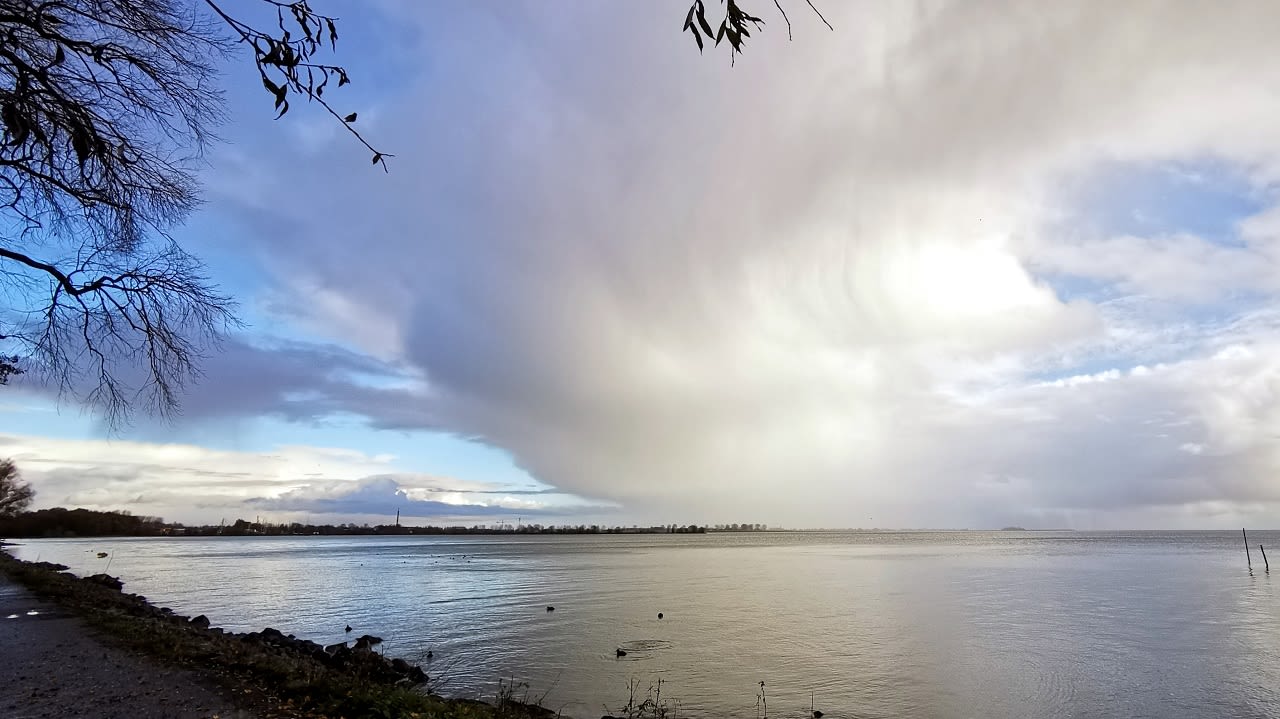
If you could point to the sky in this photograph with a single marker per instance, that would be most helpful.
(951, 264)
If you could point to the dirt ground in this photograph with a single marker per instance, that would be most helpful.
(51, 665)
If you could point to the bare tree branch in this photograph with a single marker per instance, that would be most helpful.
(106, 108)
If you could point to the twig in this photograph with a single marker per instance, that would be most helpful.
(778, 4)
(819, 14)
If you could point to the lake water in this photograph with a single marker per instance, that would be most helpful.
(932, 624)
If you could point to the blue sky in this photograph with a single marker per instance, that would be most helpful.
(882, 272)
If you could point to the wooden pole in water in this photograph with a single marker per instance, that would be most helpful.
(1265, 564)
(1247, 558)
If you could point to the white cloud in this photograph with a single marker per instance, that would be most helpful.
(785, 289)
(193, 484)
(809, 289)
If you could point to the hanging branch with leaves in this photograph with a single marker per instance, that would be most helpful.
(735, 26)
(286, 60)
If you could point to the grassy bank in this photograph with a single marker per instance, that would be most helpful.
(269, 672)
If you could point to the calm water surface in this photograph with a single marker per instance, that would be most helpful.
(964, 624)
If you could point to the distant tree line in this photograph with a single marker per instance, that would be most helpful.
(62, 522)
(245, 528)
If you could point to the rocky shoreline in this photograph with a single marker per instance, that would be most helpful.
(269, 671)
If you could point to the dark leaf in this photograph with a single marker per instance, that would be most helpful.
(688, 20)
(284, 107)
(720, 35)
(80, 144)
(333, 34)
(350, 118)
(377, 157)
(702, 19)
(300, 16)
(697, 38)
(16, 124)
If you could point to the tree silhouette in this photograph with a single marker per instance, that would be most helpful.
(106, 107)
(15, 494)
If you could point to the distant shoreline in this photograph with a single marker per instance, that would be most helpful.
(205, 533)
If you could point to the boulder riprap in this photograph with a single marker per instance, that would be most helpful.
(367, 642)
(107, 581)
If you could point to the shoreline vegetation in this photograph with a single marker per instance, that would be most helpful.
(270, 673)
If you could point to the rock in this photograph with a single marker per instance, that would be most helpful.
(50, 566)
(622, 652)
(659, 615)
(533, 711)
(348, 628)
(106, 580)
(817, 714)
(401, 665)
(418, 676)
(551, 609)
(367, 642)
(332, 648)
(273, 636)
(430, 655)
(200, 621)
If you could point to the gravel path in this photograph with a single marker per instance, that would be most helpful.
(51, 666)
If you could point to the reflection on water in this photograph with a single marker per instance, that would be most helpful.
(966, 624)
